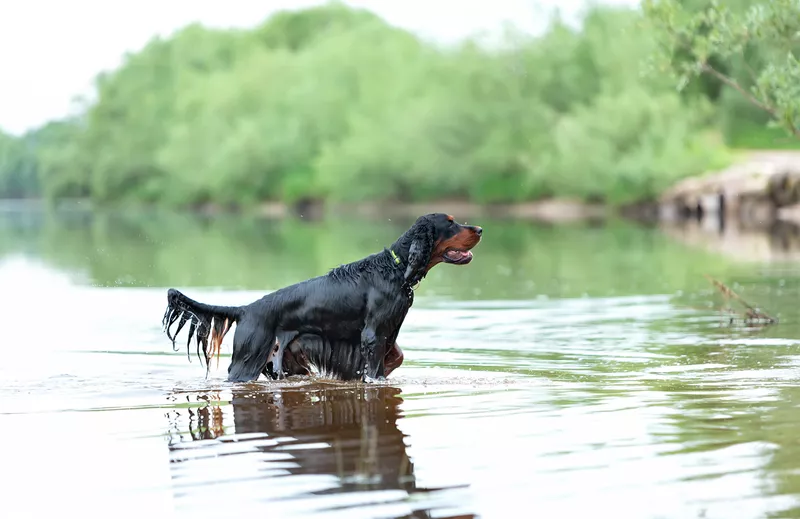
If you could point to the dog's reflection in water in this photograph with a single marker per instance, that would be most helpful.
(348, 432)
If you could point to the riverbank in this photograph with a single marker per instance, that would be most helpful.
(557, 210)
(758, 190)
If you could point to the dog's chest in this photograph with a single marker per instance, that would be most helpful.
(397, 307)
(409, 296)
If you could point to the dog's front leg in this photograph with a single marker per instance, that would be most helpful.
(277, 358)
(373, 337)
(373, 350)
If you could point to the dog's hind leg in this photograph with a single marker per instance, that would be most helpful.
(268, 372)
(282, 339)
(393, 359)
(252, 346)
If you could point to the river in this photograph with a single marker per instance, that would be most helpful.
(568, 371)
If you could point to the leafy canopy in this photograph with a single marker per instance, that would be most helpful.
(751, 47)
(334, 103)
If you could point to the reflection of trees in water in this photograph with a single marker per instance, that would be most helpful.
(521, 259)
(779, 241)
(779, 426)
(740, 417)
(350, 433)
(734, 433)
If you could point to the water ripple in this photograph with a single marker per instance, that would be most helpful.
(635, 405)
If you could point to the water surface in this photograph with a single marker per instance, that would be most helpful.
(567, 372)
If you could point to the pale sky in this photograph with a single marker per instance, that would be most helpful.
(51, 50)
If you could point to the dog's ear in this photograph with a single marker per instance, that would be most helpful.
(419, 254)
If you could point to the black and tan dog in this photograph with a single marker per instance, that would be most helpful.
(344, 323)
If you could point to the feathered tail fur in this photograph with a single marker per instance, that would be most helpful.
(205, 322)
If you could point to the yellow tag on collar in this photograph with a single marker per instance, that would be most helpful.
(396, 258)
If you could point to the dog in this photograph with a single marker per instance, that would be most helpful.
(344, 323)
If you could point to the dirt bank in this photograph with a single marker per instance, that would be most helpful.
(761, 188)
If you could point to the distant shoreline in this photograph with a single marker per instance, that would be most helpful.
(756, 190)
(556, 210)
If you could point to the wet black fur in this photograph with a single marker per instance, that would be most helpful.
(342, 322)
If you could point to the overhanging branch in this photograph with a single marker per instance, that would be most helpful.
(749, 96)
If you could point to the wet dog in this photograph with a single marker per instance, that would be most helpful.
(343, 324)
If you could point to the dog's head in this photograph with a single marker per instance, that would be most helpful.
(438, 238)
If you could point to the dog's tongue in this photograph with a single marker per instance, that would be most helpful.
(458, 255)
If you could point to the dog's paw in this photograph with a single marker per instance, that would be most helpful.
(370, 380)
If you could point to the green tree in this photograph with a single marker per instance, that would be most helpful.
(632, 135)
(334, 103)
(63, 167)
(749, 47)
(296, 30)
(18, 175)
(128, 124)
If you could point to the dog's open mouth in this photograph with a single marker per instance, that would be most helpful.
(457, 257)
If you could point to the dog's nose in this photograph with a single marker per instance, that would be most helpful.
(478, 230)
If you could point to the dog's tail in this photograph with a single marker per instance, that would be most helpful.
(204, 321)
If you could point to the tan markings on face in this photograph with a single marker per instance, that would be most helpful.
(464, 240)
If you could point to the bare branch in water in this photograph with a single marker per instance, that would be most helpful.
(752, 315)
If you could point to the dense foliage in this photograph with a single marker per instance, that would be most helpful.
(18, 174)
(742, 51)
(333, 103)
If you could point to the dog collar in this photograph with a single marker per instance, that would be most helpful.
(409, 289)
